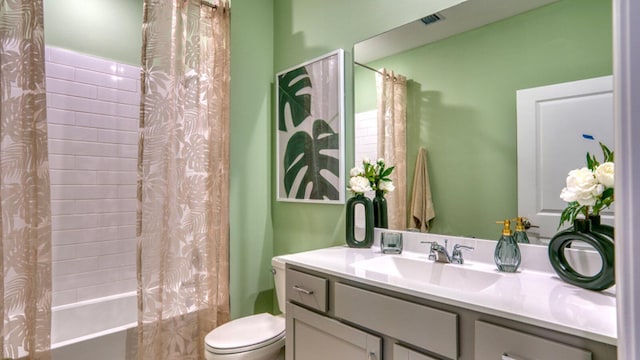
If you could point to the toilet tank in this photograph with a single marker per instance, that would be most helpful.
(278, 278)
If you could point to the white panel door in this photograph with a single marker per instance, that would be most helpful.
(557, 125)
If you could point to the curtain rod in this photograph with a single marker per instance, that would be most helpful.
(206, 3)
(374, 70)
(368, 67)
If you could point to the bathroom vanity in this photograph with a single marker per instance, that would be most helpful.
(345, 303)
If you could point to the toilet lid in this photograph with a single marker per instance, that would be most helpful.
(246, 333)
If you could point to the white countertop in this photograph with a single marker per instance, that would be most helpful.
(534, 297)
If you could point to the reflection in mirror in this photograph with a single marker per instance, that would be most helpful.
(557, 126)
(583, 258)
(461, 97)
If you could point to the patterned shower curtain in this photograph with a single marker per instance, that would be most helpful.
(25, 225)
(183, 184)
(392, 122)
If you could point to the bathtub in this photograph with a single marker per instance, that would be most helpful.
(97, 329)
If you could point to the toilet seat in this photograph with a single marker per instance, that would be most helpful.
(246, 334)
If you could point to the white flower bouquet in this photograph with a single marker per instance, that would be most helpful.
(589, 190)
(371, 176)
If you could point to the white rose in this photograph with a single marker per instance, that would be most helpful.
(604, 174)
(359, 184)
(386, 186)
(356, 171)
(365, 160)
(582, 186)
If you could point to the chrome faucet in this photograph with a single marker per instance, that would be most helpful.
(456, 255)
(439, 253)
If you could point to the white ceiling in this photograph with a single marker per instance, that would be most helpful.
(465, 16)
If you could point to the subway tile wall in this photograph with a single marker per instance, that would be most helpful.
(92, 110)
(366, 146)
(366, 141)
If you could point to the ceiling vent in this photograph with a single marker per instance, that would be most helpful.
(430, 19)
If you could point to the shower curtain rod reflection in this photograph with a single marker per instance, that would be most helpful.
(372, 69)
(206, 3)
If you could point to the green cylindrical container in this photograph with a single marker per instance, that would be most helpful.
(380, 217)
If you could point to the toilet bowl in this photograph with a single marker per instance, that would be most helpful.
(255, 337)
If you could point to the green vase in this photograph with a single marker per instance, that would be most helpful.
(367, 241)
(601, 242)
(380, 218)
(597, 226)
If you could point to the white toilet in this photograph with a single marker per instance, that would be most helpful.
(255, 337)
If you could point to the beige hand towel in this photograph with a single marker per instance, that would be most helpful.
(421, 203)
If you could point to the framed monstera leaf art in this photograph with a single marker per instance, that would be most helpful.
(310, 131)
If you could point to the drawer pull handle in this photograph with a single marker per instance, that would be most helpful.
(302, 290)
(506, 356)
(372, 356)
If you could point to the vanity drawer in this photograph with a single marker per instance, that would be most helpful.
(496, 342)
(308, 290)
(428, 328)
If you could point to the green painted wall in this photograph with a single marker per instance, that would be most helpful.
(305, 29)
(251, 106)
(109, 29)
(462, 105)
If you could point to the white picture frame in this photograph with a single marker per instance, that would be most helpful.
(309, 127)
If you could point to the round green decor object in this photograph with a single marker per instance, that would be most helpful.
(603, 245)
(351, 225)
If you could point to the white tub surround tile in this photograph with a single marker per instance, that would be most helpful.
(117, 137)
(129, 71)
(71, 132)
(57, 116)
(71, 88)
(93, 110)
(73, 177)
(366, 143)
(73, 266)
(82, 61)
(58, 71)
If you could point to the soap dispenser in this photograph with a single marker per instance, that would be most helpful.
(521, 234)
(507, 254)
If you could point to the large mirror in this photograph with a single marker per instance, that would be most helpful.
(463, 68)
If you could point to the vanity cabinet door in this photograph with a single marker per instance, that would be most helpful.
(402, 353)
(494, 342)
(424, 327)
(311, 336)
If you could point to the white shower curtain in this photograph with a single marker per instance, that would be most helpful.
(392, 119)
(183, 169)
(25, 224)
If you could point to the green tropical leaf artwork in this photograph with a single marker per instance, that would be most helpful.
(309, 126)
(304, 156)
(290, 85)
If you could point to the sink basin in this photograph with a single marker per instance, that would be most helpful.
(406, 269)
